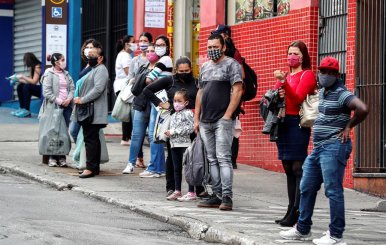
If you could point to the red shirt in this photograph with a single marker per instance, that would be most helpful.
(296, 90)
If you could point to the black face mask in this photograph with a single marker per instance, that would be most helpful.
(93, 61)
(184, 76)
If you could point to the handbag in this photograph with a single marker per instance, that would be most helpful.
(85, 113)
(309, 110)
(126, 95)
(121, 110)
(162, 124)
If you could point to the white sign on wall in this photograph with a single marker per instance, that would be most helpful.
(56, 40)
(155, 20)
(155, 6)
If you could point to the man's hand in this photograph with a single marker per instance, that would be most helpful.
(196, 126)
(77, 100)
(345, 134)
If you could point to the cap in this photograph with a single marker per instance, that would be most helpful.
(222, 29)
(329, 63)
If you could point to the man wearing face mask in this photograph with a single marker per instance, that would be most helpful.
(220, 89)
(94, 90)
(327, 161)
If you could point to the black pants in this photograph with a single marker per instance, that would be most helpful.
(177, 154)
(24, 93)
(170, 182)
(93, 146)
(127, 128)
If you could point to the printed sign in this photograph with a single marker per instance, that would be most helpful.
(155, 20)
(155, 6)
(56, 40)
(57, 12)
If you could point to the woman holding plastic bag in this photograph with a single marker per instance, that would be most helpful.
(58, 90)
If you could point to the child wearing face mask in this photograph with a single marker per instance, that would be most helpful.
(181, 126)
(58, 88)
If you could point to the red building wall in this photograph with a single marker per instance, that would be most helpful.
(264, 44)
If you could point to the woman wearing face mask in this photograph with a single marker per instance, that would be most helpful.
(293, 140)
(140, 60)
(85, 50)
(125, 48)
(58, 88)
(141, 116)
(182, 79)
(163, 68)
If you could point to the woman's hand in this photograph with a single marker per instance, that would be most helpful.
(66, 102)
(281, 75)
(21, 78)
(167, 133)
(77, 100)
(164, 105)
(281, 92)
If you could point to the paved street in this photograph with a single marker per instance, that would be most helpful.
(260, 196)
(34, 214)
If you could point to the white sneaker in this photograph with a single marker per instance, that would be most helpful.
(52, 163)
(327, 239)
(146, 174)
(129, 169)
(294, 234)
(190, 196)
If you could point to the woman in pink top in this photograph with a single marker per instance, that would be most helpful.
(58, 88)
(292, 142)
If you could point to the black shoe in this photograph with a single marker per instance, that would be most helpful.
(203, 195)
(226, 204)
(234, 165)
(85, 176)
(285, 216)
(212, 202)
(292, 218)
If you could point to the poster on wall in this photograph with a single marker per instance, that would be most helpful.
(247, 10)
(155, 6)
(155, 20)
(56, 40)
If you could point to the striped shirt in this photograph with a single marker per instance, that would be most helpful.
(334, 113)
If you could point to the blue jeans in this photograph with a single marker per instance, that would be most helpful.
(326, 163)
(217, 138)
(139, 131)
(74, 130)
(157, 153)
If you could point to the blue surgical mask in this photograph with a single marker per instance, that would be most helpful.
(326, 80)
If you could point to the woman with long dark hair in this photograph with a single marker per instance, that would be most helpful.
(293, 140)
(28, 85)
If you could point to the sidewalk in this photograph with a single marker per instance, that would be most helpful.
(259, 195)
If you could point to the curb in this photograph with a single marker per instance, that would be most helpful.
(195, 228)
(381, 206)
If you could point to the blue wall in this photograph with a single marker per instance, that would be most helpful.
(130, 17)
(6, 60)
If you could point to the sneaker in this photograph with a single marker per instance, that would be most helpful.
(174, 196)
(13, 113)
(294, 234)
(129, 169)
(125, 142)
(162, 175)
(23, 113)
(212, 202)
(190, 196)
(169, 192)
(146, 174)
(226, 203)
(203, 195)
(52, 163)
(62, 163)
(327, 239)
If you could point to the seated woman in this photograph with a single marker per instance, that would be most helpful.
(28, 85)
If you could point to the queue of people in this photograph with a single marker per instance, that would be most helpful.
(210, 107)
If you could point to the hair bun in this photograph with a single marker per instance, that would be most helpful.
(49, 57)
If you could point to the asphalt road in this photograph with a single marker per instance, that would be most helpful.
(31, 213)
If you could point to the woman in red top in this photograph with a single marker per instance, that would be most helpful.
(293, 140)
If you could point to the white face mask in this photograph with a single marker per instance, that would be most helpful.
(160, 51)
(133, 47)
(63, 65)
(86, 52)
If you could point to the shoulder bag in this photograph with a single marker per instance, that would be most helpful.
(309, 109)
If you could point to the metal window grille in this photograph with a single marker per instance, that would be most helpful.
(370, 75)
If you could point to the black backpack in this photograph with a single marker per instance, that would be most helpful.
(250, 83)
